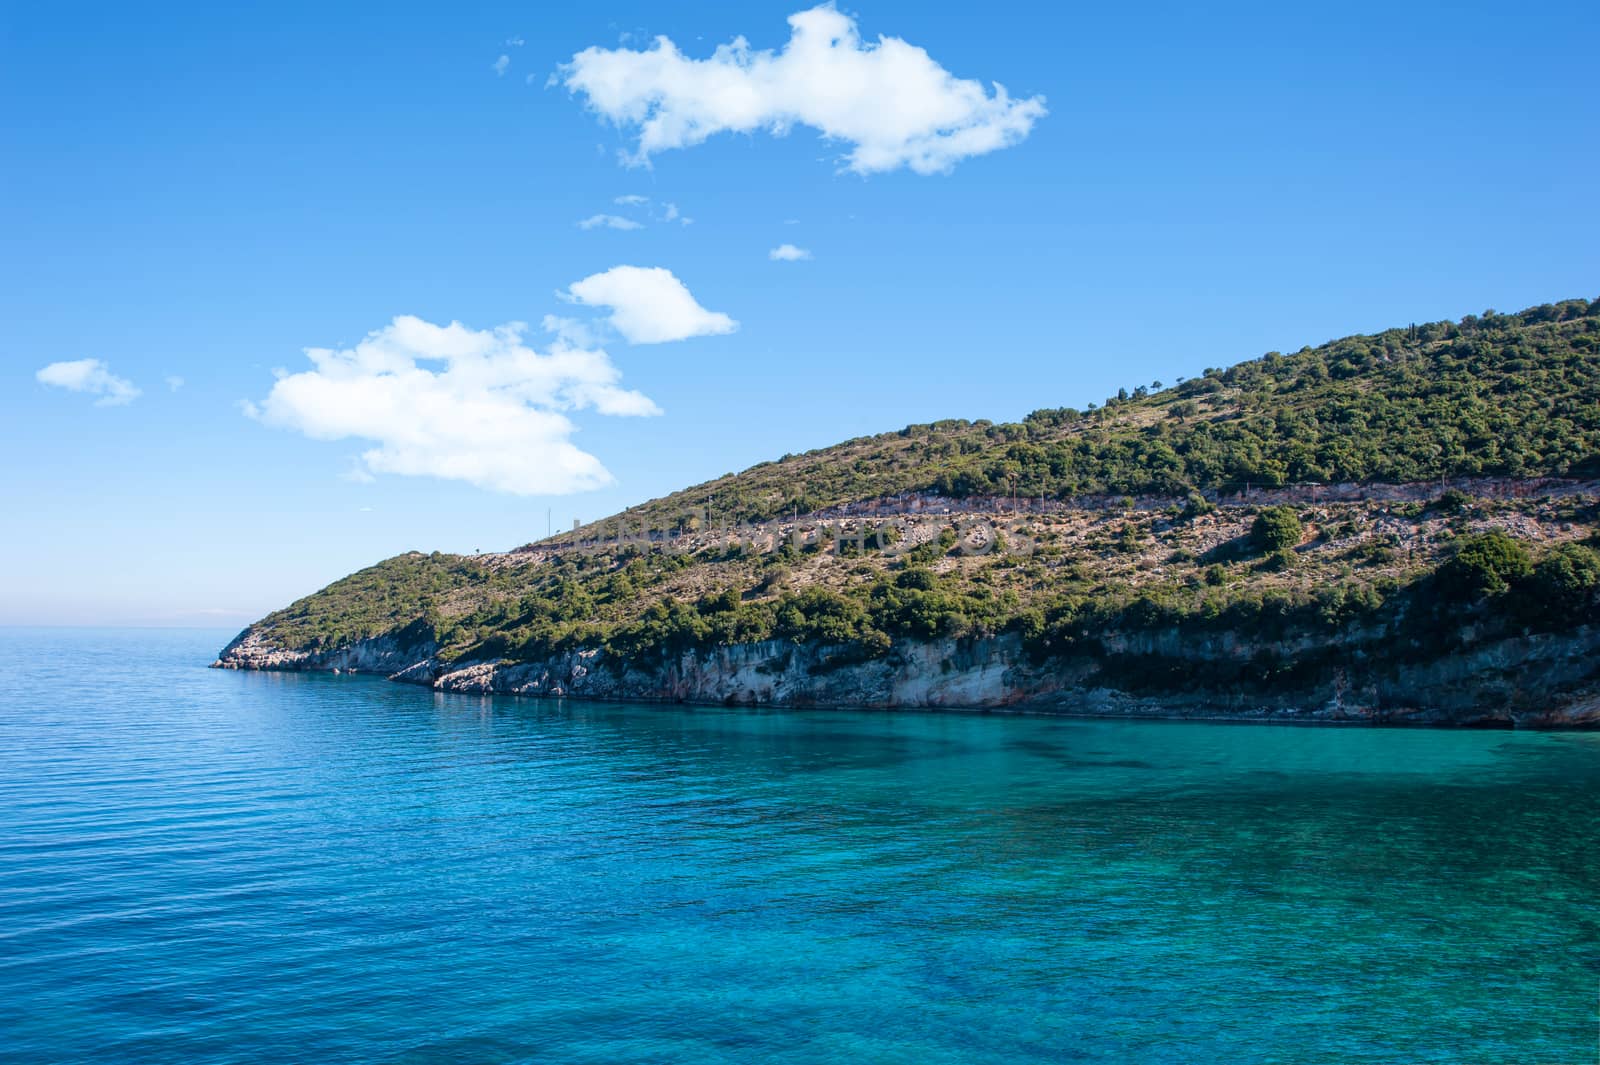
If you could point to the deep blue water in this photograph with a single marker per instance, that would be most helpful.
(200, 865)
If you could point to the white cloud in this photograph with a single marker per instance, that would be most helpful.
(889, 100)
(500, 66)
(514, 42)
(448, 401)
(668, 212)
(648, 304)
(672, 214)
(608, 221)
(174, 382)
(576, 333)
(788, 253)
(92, 376)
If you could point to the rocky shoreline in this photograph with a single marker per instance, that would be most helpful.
(1540, 681)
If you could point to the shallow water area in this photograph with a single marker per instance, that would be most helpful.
(222, 866)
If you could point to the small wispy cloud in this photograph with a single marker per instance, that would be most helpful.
(639, 206)
(91, 376)
(608, 221)
(514, 42)
(500, 66)
(788, 253)
(571, 331)
(174, 382)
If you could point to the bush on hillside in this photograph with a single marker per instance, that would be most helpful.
(1565, 587)
(1276, 529)
(1486, 564)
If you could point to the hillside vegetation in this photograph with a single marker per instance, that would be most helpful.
(1502, 395)
(1499, 394)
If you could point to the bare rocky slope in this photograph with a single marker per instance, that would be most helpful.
(1245, 546)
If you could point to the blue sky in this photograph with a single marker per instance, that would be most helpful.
(204, 192)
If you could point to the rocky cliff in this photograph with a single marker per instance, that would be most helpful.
(1545, 681)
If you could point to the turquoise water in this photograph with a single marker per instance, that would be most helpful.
(211, 866)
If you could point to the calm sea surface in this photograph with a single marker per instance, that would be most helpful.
(199, 865)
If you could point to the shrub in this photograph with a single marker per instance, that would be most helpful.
(1276, 529)
(820, 614)
(1196, 505)
(1280, 560)
(1565, 587)
(719, 602)
(1484, 565)
(775, 580)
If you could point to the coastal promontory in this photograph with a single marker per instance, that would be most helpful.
(1401, 527)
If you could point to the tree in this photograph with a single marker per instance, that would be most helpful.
(1276, 529)
(1565, 589)
(1485, 565)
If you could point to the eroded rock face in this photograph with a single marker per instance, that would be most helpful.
(1537, 681)
(383, 654)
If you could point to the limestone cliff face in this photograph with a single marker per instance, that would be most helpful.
(387, 654)
(1532, 681)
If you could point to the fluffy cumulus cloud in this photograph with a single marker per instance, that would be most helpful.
(888, 99)
(501, 65)
(91, 376)
(648, 305)
(788, 253)
(480, 406)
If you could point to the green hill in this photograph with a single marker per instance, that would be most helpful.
(1389, 499)
(1502, 394)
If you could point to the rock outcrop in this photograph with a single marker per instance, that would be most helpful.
(1545, 681)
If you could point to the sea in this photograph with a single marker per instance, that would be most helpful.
(200, 865)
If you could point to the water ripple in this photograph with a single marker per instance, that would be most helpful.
(207, 866)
